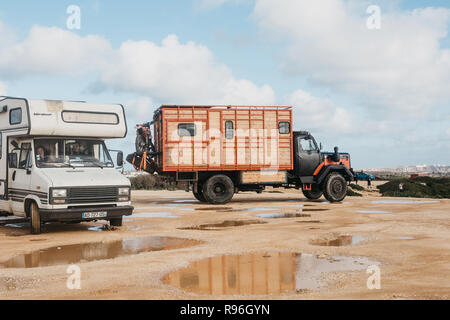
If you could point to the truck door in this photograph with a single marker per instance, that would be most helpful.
(307, 156)
(19, 179)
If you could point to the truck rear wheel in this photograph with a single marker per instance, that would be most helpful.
(35, 219)
(199, 193)
(314, 193)
(335, 187)
(218, 189)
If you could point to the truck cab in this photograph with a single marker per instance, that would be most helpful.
(319, 172)
(54, 163)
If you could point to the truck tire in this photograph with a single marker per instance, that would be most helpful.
(199, 194)
(117, 222)
(335, 187)
(218, 189)
(35, 225)
(313, 194)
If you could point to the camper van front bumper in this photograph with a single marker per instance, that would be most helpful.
(78, 214)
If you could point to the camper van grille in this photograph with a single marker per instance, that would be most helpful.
(89, 195)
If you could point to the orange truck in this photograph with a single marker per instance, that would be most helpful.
(221, 150)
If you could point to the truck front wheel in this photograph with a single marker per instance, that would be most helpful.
(335, 187)
(218, 189)
(314, 193)
(35, 219)
(198, 193)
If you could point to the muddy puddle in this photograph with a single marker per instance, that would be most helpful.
(224, 224)
(260, 274)
(339, 241)
(279, 215)
(85, 252)
(404, 201)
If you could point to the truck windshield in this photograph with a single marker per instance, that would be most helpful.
(57, 153)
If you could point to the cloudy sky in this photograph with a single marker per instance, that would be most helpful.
(379, 89)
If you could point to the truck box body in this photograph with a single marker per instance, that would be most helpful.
(224, 138)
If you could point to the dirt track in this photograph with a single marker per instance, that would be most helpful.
(411, 243)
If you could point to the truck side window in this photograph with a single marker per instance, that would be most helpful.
(24, 154)
(15, 116)
(229, 129)
(307, 145)
(186, 129)
(284, 127)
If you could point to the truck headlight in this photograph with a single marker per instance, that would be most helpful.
(124, 191)
(59, 193)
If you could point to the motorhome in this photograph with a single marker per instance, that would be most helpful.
(54, 164)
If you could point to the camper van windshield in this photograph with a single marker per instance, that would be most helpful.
(57, 153)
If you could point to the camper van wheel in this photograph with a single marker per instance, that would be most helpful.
(35, 219)
(116, 222)
(335, 187)
(218, 189)
(198, 193)
(314, 193)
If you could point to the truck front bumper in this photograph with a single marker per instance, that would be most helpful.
(76, 214)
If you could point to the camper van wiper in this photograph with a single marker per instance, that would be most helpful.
(96, 164)
(69, 165)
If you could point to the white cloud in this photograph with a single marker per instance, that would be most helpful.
(174, 72)
(140, 107)
(400, 67)
(3, 91)
(51, 50)
(320, 114)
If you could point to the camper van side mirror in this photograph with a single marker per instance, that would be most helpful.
(15, 144)
(119, 159)
(320, 146)
(12, 160)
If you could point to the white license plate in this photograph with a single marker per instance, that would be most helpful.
(95, 214)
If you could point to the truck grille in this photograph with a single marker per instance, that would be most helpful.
(90, 195)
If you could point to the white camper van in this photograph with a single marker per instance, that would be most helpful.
(54, 164)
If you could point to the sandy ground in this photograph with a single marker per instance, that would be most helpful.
(414, 267)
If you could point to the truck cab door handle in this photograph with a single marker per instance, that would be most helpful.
(14, 176)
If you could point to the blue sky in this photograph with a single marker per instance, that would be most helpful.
(382, 95)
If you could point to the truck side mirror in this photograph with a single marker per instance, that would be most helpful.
(119, 159)
(12, 160)
(320, 146)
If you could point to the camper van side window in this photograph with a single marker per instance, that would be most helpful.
(24, 155)
(15, 116)
(229, 132)
(186, 129)
(284, 127)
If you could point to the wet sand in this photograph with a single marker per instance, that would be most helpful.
(298, 256)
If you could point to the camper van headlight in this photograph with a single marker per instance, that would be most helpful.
(124, 191)
(59, 193)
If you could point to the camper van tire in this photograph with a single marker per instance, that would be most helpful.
(197, 191)
(116, 222)
(218, 189)
(35, 219)
(335, 187)
(313, 194)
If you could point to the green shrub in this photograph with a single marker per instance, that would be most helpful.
(356, 187)
(154, 182)
(420, 187)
